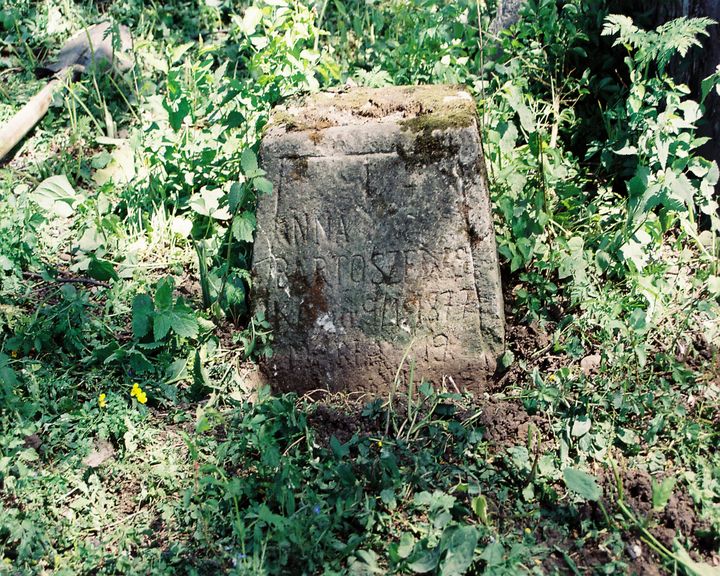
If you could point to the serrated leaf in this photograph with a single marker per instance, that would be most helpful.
(142, 311)
(161, 325)
(164, 293)
(369, 558)
(184, 324)
(236, 197)
(248, 161)
(243, 226)
(582, 483)
(263, 185)
(661, 493)
(56, 195)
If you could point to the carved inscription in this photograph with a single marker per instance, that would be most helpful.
(364, 252)
(376, 288)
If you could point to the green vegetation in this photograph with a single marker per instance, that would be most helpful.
(131, 438)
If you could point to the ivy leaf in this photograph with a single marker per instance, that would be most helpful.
(582, 483)
(243, 226)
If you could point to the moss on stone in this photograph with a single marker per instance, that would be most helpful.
(422, 108)
(460, 117)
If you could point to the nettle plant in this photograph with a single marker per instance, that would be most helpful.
(555, 225)
(528, 109)
(203, 170)
(655, 130)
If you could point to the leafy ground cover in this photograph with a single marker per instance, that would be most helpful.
(131, 438)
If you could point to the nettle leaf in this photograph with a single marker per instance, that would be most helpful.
(163, 293)
(236, 197)
(142, 311)
(183, 321)
(248, 161)
(56, 195)
(582, 483)
(243, 226)
(263, 185)
(161, 325)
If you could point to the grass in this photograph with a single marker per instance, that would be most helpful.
(592, 450)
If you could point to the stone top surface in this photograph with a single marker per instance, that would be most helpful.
(442, 106)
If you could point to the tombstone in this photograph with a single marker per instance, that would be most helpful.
(375, 251)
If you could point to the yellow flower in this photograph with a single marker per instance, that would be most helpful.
(527, 531)
(14, 353)
(138, 393)
(102, 402)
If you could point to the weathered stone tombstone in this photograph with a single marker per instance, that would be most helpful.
(377, 243)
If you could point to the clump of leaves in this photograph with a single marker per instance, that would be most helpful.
(156, 318)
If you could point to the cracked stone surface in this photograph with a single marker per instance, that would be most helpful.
(376, 244)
